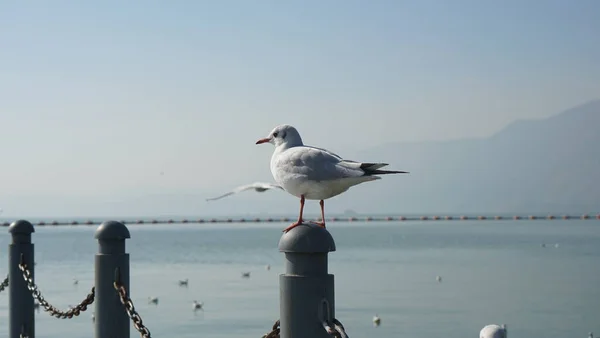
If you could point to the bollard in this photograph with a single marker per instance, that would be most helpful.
(306, 290)
(111, 263)
(20, 300)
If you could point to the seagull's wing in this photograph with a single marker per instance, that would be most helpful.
(322, 165)
(316, 164)
(219, 197)
(247, 187)
(266, 185)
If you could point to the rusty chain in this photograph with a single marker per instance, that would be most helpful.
(4, 284)
(37, 295)
(275, 332)
(338, 329)
(133, 315)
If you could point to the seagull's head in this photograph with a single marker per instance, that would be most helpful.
(283, 135)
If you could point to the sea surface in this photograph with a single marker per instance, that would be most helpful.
(492, 272)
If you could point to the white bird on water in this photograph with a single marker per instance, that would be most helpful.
(183, 282)
(153, 300)
(257, 186)
(314, 173)
(198, 306)
(376, 320)
(493, 331)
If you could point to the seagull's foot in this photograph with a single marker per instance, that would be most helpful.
(321, 224)
(293, 225)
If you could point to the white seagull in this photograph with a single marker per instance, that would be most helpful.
(314, 173)
(493, 331)
(376, 320)
(198, 306)
(257, 186)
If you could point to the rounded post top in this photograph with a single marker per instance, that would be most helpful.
(112, 230)
(307, 238)
(21, 227)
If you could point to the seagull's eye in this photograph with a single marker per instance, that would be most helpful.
(274, 134)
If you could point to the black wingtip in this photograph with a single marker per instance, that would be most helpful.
(384, 172)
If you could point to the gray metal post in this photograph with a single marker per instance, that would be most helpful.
(306, 290)
(111, 262)
(20, 300)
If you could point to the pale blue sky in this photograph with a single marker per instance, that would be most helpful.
(97, 98)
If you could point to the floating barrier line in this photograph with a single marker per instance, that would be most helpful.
(332, 219)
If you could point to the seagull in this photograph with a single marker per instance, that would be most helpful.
(493, 331)
(198, 306)
(75, 281)
(153, 300)
(376, 320)
(183, 282)
(438, 278)
(245, 274)
(268, 267)
(257, 186)
(314, 173)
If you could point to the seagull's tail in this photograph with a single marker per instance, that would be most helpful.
(373, 169)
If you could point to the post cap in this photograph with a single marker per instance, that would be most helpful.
(21, 227)
(307, 238)
(112, 230)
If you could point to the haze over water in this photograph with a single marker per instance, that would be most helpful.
(492, 272)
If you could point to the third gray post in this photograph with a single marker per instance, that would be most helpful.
(307, 296)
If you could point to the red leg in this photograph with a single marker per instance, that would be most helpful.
(295, 224)
(322, 223)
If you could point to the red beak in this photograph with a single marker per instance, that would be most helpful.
(263, 140)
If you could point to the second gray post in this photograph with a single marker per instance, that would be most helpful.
(306, 288)
(20, 299)
(111, 318)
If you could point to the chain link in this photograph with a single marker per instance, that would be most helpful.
(275, 332)
(133, 315)
(337, 331)
(37, 295)
(4, 284)
(22, 334)
(339, 328)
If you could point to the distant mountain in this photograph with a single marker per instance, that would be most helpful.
(549, 165)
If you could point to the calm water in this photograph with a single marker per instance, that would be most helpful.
(493, 272)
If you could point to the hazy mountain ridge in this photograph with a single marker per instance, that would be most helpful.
(548, 165)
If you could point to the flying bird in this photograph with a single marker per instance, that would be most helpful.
(257, 186)
(314, 173)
